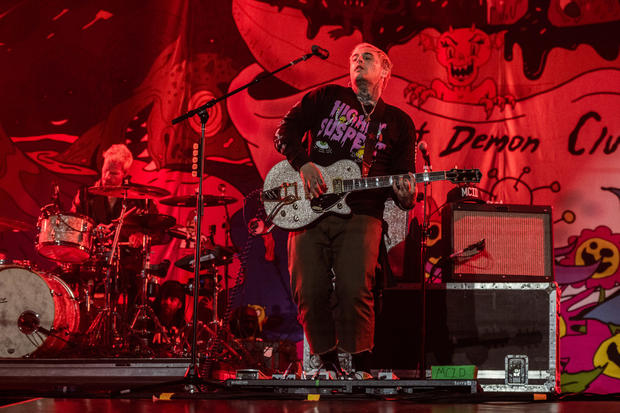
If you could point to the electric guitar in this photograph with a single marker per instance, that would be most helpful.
(289, 207)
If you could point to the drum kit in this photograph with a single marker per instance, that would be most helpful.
(83, 307)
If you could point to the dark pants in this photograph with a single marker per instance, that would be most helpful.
(350, 247)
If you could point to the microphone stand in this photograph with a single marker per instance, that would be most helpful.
(192, 376)
(423, 258)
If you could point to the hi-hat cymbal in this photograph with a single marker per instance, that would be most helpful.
(190, 200)
(130, 191)
(8, 224)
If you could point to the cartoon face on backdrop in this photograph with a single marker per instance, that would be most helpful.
(462, 52)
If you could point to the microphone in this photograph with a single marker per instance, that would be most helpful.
(320, 52)
(423, 148)
(476, 246)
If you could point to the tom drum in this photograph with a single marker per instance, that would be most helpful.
(65, 237)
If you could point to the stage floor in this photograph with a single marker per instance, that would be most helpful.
(253, 405)
(154, 385)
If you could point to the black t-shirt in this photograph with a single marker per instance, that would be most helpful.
(328, 125)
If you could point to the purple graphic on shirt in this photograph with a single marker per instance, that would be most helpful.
(344, 125)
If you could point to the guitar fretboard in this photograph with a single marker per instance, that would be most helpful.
(370, 182)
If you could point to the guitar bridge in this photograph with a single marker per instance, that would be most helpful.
(281, 193)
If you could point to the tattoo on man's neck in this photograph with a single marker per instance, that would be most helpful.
(365, 95)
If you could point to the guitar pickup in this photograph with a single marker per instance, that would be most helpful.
(281, 192)
(338, 186)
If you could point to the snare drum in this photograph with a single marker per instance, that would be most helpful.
(39, 314)
(65, 237)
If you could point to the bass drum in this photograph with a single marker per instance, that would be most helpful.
(39, 314)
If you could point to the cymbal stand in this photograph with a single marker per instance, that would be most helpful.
(101, 331)
(145, 312)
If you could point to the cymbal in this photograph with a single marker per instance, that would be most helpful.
(8, 224)
(218, 256)
(190, 200)
(131, 191)
(148, 223)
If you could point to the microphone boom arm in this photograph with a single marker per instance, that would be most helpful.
(258, 79)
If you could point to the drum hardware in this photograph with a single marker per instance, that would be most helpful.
(152, 288)
(226, 346)
(187, 235)
(105, 326)
(212, 256)
(207, 282)
(87, 292)
(181, 232)
(144, 312)
(217, 256)
(148, 224)
(159, 270)
(153, 224)
(29, 323)
(190, 200)
(140, 325)
(103, 332)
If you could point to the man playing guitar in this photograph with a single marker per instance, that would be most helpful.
(332, 261)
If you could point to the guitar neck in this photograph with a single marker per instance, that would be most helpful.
(373, 182)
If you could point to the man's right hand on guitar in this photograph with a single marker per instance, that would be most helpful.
(312, 179)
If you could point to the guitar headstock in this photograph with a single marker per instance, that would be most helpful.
(459, 176)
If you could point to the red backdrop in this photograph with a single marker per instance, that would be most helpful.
(526, 91)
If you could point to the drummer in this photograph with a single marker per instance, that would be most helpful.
(117, 161)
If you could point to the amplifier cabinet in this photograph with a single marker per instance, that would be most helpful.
(507, 330)
(498, 242)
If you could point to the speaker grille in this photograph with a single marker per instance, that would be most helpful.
(517, 243)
